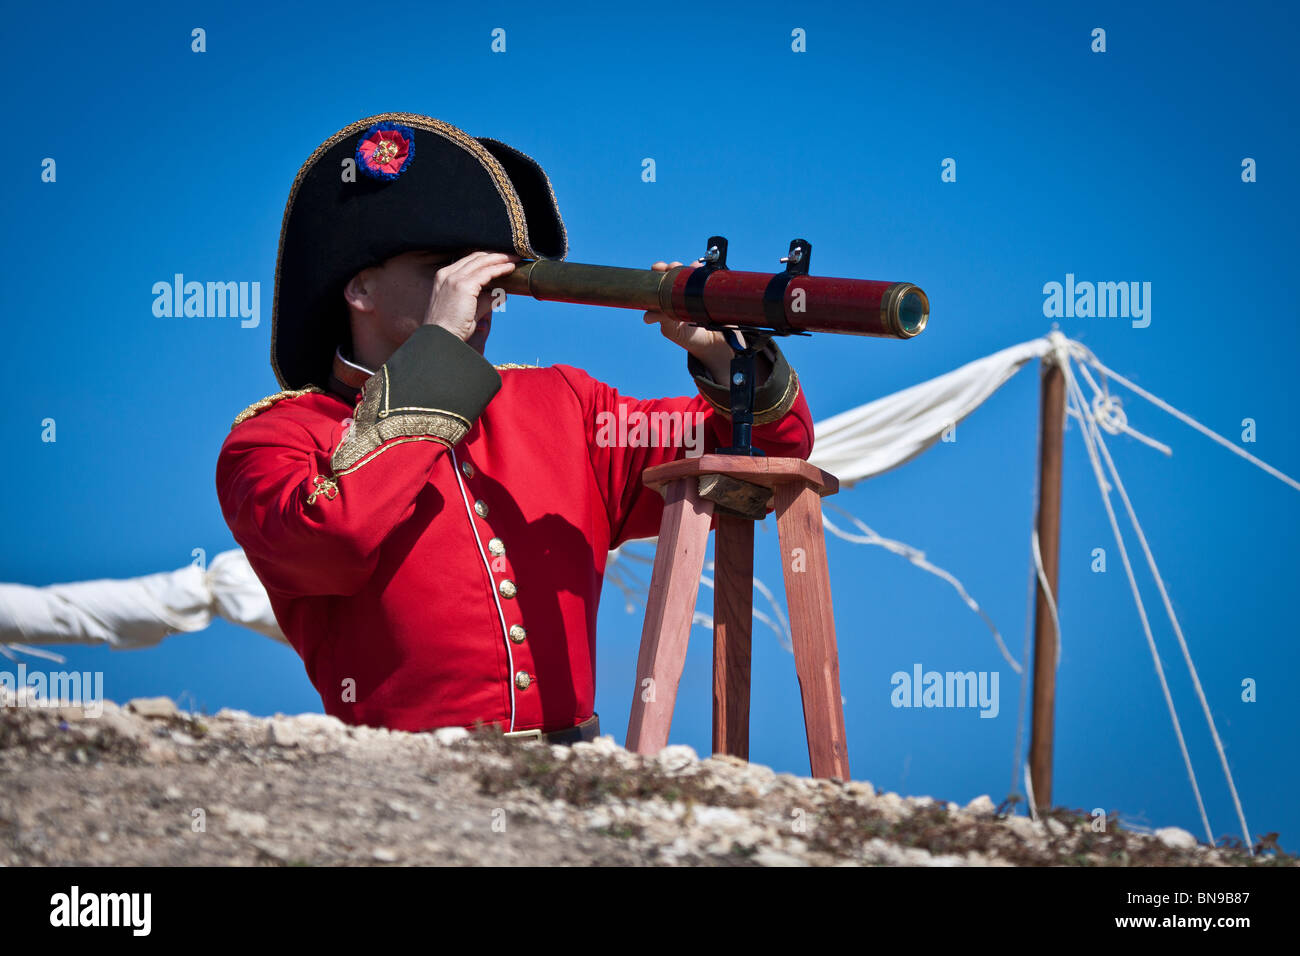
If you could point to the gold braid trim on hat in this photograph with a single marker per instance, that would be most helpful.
(514, 207)
(555, 206)
(263, 404)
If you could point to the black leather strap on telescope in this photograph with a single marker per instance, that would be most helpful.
(694, 293)
(774, 302)
(773, 298)
(774, 294)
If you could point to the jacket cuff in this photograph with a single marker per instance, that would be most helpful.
(772, 400)
(431, 389)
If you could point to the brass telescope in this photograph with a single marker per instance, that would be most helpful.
(787, 303)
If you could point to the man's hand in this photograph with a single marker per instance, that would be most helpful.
(705, 344)
(458, 301)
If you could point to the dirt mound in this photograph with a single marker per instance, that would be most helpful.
(148, 784)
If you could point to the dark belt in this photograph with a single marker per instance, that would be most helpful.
(589, 729)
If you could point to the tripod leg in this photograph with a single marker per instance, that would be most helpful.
(812, 626)
(733, 617)
(670, 608)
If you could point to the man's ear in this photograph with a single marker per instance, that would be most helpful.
(357, 292)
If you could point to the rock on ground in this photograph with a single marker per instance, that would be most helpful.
(149, 784)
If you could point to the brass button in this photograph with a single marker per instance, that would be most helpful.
(517, 633)
(481, 508)
(522, 680)
(467, 468)
(508, 588)
(497, 547)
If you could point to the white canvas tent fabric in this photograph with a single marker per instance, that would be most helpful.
(886, 433)
(137, 612)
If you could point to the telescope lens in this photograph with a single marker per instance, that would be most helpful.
(912, 313)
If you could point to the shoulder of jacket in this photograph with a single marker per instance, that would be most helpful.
(263, 404)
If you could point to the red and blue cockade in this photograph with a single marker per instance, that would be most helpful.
(386, 150)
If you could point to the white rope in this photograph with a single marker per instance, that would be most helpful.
(1024, 679)
(1090, 427)
(1182, 641)
(783, 636)
(625, 552)
(634, 589)
(1029, 793)
(1086, 355)
(1169, 611)
(1047, 593)
(1110, 415)
(776, 620)
(1059, 355)
(917, 557)
(781, 624)
(622, 578)
(5, 649)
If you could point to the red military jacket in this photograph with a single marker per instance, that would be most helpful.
(435, 553)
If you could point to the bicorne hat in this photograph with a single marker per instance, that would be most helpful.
(385, 185)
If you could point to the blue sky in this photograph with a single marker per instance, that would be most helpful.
(1115, 166)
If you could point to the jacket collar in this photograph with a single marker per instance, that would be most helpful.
(347, 377)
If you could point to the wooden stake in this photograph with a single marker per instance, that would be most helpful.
(733, 617)
(670, 608)
(1051, 440)
(812, 626)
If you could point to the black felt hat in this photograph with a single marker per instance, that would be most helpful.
(385, 185)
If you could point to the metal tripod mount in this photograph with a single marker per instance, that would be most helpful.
(743, 374)
(742, 381)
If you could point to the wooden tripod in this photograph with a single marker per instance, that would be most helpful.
(739, 488)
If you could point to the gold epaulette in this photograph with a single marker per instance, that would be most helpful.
(263, 404)
(513, 365)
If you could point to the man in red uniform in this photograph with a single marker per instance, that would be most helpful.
(432, 530)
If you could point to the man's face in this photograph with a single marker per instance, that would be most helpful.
(393, 298)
